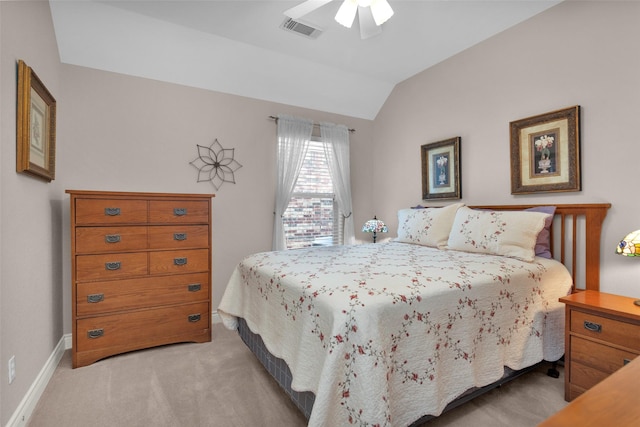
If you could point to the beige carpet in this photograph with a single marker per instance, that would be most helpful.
(222, 384)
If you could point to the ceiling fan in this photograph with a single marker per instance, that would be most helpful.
(371, 13)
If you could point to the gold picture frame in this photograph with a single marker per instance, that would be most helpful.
(441, 169)
(545, 152)
(36, 126)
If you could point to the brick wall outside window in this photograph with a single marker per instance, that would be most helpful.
(309, 219)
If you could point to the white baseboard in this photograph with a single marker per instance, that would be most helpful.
(68, 342)
(30, 400)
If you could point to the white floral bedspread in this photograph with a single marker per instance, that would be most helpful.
(386, 333)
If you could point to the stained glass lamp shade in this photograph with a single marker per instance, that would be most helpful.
(630, 245)
(374, 226)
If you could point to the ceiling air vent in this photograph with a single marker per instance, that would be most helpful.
(298, 27)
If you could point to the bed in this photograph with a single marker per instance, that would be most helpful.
(394, 333)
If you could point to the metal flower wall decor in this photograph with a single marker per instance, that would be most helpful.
(215, 164)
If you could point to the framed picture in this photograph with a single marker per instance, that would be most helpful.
(36, 126)
(441, 169)
(545, 152)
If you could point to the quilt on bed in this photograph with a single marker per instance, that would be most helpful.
(386, 333)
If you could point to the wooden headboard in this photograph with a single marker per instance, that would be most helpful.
(574, 223)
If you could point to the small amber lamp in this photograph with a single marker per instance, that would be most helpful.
(630, 246)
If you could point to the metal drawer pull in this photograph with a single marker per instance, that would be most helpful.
(194, 287)
(111, 266)
(112, 211)
(180, 261)
(179, 211)
(194, 318)
(179, 236)
(112, 238)
(94, 298)
(593, 327)
(95, 333)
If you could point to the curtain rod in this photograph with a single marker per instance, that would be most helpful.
(274, 118)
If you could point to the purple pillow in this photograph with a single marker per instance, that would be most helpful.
(543, 244)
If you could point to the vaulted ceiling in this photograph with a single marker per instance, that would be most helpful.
(239, 47)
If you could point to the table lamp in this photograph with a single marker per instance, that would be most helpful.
(630, 246)
(374, 226)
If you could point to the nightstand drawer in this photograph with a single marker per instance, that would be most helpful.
(599, 356)
(612, 331)
(584, 376)
(574, 391)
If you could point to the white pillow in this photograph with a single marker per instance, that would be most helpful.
(511, 234)
(426, 226)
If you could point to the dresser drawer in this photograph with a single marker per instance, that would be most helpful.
(178, 236)
(612, 331)
(103, 297)
(177, 262)
(179, 212)
(110, 239)
(599, 356)
(111, 266)
(139, 329)
(110, 211)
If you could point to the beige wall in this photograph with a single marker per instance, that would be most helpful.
(130, 134)
(30, 213)
(577, 53)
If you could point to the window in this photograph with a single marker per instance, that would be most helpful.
(320, 211)
(310, 218)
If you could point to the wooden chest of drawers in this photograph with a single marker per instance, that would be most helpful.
(141, 271)
(602, 335)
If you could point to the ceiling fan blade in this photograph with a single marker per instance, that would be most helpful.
(368, 27)
(381, 11)
(304, 8)
(347, 13)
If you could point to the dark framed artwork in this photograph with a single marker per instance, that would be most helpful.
(545, 152)
(441, 169)
(35, 127)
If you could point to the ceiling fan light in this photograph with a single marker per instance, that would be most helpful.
(347, 13)
(381, 11)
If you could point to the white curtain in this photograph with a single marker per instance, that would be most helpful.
(294, 135)
(335, 139)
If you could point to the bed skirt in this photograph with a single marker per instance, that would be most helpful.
(304, 400)
(276, 367)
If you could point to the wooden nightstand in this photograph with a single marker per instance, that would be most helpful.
(612, 402)
(602, 334)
